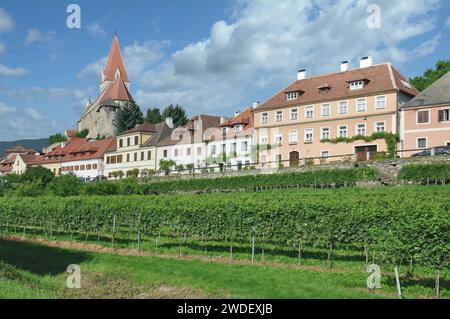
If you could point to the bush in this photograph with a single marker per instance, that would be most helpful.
(102, 188)
(65, 185)
(38, 174)
(28, 189)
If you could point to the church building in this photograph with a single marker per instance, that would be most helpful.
(99, 115)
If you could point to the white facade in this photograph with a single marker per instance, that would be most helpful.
(240, 150)
(184, 154)
(86, 169)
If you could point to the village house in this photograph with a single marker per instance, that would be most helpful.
(294, 124)
(425, 120)
(186, 146)
(136, 149)
(232, 145)
(17, 160)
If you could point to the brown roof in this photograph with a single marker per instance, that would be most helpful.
(114, 62)
(379, 78)
(244, 118)
(146, 127)
(19, 149)
(117, 91)
(208, 122)
(71, 133)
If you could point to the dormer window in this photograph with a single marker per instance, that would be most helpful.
(325, 87)
(292, 96)
(356, 85)
(238, 128)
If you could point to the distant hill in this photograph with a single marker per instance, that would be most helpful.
(34, 144)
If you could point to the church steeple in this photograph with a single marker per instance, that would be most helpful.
(114, 65)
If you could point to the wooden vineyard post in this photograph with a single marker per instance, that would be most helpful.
(253, 246)
(114, 231)
(139, 235)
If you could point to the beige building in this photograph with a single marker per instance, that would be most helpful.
(299, 120)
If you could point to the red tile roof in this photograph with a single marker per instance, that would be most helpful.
(379, 78)
(244, 118)
(114, 62)
(146, 127)
(117, 91)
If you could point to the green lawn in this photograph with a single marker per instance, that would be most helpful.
(36, 271)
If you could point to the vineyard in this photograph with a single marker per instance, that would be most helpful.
(396, 226)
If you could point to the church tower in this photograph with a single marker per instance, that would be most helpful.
(99, 115)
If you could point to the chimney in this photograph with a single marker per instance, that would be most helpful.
(255, 105)
(366, 62)
(344, 66)
(237, 113)
(222, 120)
(169, 122)
(301, 75)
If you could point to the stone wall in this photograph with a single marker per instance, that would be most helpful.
(388, 169)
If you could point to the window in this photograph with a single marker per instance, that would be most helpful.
(213, 150)
(308, 135)
(361, 105)
(175, 152)
(165, 153)
(326, 109)
(380, 127)
(325, 133)
(135, 157)
(356, 85)
(238, 128)
(324, 154)
(279, 138)
(264, 140)
(88, 167)
(233, 147)
(343, 107)
(309, 112)
(279, 116)
(120, 143)
(149, 155)
(82, 168)
(128, 141)
(264, 118)
(128, 157)
(244, 146)
(422, 142)
(361, 129)
(94, 166)
(423, 117)
(278, 158)
(292, 96)
(199, 151)
(294, 114)
(342, 131)
(188, 152)
(381, 102)
(142, 156)
(119, 158)
(444, 115)
(136, 140)
(293, 138)
(108, 160)
(113, 160)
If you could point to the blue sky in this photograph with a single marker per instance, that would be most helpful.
(213, 57)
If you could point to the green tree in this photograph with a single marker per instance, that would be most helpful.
(431, 75)
(166, 166)
(56, 138)
(38, 174)
(65, 185)
(177, 113)
(153, 116)
(128, 117)
(83, 133)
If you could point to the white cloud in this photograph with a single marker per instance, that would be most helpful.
(6, 108)
(6, 22)
(37, 36)
(96, 30)
(93, 69)
(427, 47)
(13, 72)
(266, 41)
(448, 22)
(33, 114)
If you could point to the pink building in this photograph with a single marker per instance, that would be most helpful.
(425, 120)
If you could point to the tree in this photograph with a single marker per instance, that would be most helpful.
(56, 138)
(166, 166)
(65, 185)
(83, 133)
(128, 117)
(177, 114)
(431, 75)
(38, 174)
(153, 116)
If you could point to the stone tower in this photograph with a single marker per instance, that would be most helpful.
(98, 116)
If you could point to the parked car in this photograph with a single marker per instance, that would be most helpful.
(438, 151)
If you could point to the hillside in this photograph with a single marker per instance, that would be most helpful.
(37, 144)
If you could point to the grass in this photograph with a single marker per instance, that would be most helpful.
(30, 270)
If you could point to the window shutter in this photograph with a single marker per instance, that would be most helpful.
(441, 116)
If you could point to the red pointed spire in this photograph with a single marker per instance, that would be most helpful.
(114, 62)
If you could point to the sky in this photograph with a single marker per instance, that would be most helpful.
(210, 56)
